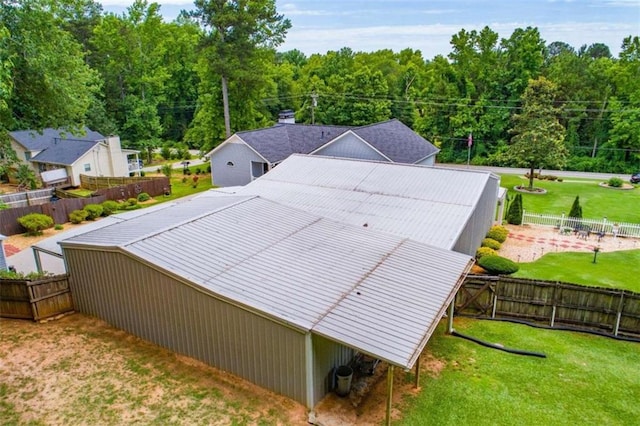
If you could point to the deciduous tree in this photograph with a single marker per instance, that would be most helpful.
(538, 139)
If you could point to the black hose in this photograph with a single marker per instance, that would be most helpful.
(555, 327)
(499, 347)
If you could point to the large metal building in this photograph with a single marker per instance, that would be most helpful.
(447, 208)
(274, 294)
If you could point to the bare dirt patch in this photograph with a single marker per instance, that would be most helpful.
(79, 370)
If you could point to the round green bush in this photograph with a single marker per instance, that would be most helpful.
(498, 265)
(35, 223)
(109, 207)
(485, 251)
(58, 227)
(77, 216)
(132, 201)
(491, 243)
(498, 233)
(143, 196)
(94, 211)
(615, 182)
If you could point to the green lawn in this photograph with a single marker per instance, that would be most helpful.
(613, 269)
(597, 202)
(585, 379)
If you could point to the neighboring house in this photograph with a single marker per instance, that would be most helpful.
(273, 294)
(248, 155)
(448, 208)
(59, 157)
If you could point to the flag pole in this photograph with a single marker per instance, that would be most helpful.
(469, 143)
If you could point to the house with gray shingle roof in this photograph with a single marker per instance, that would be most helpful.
(248, 155)
(58, 156)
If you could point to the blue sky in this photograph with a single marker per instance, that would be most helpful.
(369, 25)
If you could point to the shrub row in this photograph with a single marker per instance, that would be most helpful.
(543, 177)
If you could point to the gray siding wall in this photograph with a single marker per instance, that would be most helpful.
(429, 161)
(165, 311)
(349, 146)
(3, 259)
(327, 356)
(480, 221)
(240, 173)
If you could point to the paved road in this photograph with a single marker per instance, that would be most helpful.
(559, 173)
(195, 161)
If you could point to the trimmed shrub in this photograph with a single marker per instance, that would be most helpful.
(498, 233)
(615, 182)
(94, 211)
(143, 196)
(58, 227)
(491, 243)
(514, 215)
(498, 265)
(485, 251)
(35, 223)
(77, 216)
(576, 208)
(132, 207)
(132, 201)
(109, 207)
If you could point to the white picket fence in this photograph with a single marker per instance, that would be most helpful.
(563, 222)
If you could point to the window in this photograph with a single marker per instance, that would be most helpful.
(87, 167)
(27, 156)
(258, 168)
(230, 164)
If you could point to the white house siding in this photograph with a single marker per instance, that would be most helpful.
(350, 146)
(20, 153)
(155, 306)
(481, 219)
(327, 356)
(241, 156)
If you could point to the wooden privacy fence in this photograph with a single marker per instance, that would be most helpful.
(152, 186)
(556, 304)
(38, 299)
(59, 210)
(28, 198)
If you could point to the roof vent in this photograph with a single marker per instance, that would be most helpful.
(287, 116)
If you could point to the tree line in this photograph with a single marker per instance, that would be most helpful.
(217, 70)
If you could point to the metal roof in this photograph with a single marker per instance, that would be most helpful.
(427, 204)
(376, 292)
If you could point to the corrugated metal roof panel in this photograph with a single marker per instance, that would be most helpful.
(299, 268)
(149, 222)
(427, 204)
(392, 316)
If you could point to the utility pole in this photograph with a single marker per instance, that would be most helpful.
(314, 104)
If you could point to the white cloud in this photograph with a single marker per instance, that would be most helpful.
(127, 3)
(432, 40)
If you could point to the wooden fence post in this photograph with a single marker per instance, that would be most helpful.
(619, 315)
